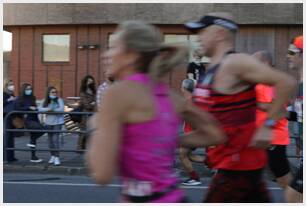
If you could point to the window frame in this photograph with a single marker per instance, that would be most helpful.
(54, 62)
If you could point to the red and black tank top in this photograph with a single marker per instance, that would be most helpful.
(236, 114)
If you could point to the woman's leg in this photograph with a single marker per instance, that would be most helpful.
(51, 140)
(56, 139)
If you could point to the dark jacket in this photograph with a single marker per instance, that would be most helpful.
(86, 100)
(25, 104)
(8, 106)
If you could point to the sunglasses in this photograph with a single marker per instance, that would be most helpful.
(292, 53)
(53, 92)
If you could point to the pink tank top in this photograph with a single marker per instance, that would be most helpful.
(147, 152)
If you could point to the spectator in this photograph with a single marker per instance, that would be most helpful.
(53, 103)
(196, 69)
(27, 102)
(8, 106)
(102, 89)
(87, 104)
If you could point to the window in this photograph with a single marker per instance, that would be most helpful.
(191, 41)
(56, 47)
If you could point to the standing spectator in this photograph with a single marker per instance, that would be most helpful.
(53, 103)
(8, 106)
(87, 104)
(102, 89)
(294, 192)
(196, 69)
(277, 160)
(27, 102)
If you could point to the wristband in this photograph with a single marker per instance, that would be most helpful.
(270, 123)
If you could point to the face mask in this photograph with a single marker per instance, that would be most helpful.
(28, 92)
(52, 96)
(11, 88)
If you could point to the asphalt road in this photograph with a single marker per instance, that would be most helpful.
(51, 188)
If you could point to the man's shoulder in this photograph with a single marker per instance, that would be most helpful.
(237, 61)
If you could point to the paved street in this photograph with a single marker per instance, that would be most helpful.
(51, 188)
(26, 182)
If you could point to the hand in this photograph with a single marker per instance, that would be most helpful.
(11, 99)
(32, 108)
(262, 137)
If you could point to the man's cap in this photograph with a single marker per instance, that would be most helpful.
(296, 45)
(207, 21)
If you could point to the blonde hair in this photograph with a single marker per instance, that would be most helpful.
(5, 83)
(156, 57)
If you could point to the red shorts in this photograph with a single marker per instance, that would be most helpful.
(237, 187)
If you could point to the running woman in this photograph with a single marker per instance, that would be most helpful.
(135, 133)
(228, 93)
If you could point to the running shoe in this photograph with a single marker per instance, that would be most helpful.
(36, 160)
(191, 181)
(31, 145)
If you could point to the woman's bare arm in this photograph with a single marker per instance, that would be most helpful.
(102, 155)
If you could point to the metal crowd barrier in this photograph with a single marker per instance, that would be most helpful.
(6, 130)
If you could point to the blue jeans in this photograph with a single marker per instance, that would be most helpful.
(53, 139)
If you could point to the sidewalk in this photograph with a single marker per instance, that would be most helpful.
(73, 163)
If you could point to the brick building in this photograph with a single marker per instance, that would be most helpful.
(58, 44)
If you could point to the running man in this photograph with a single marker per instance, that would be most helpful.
(278, 162)
(228, 93)
(294, 192)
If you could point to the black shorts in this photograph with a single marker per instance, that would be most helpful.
(278, 161)
(297, 182)
(237, 187)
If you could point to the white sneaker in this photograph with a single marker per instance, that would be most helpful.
(191, 181)
(57, 161)
(52, 159)
(35, 160)
(31, 145)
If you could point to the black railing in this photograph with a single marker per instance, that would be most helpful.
(87, 114)
(6, 130)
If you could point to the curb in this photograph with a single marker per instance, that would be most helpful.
(45, 169)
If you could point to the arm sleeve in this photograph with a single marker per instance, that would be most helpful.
(43, 109)
(85, 102)
(61, 106)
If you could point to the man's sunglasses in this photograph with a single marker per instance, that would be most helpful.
(292, 53)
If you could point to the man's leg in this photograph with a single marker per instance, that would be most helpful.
(279, 164)
(294, 192)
